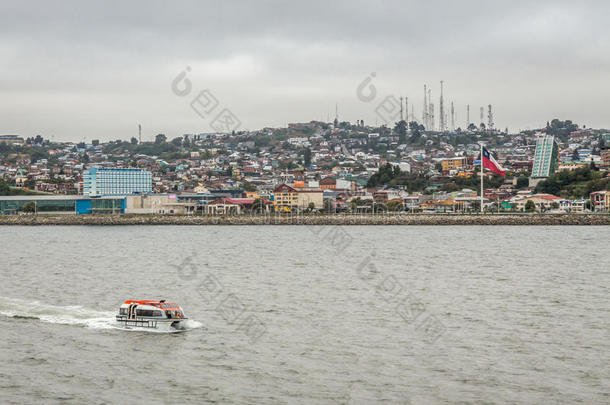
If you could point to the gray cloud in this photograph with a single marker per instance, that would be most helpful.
(77, 70)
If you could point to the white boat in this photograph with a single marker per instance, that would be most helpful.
(151, 314)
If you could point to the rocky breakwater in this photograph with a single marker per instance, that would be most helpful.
(339, 219)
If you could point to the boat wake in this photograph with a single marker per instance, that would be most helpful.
(77, 315)
(191, 324)
(187, 325)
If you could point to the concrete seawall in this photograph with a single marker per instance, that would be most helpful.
(392, 219)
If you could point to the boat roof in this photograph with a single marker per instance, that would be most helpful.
(142, 302)
(155, 303)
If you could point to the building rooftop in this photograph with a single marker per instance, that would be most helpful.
(58, 197)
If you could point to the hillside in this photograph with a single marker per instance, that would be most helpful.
(575, 183)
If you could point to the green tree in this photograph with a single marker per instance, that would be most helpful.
(384, 175)
(416, 130)
(577, 183)
(380, 207)
(30, 184)
(522, 182)
(161, 138)
(401, 129)
(28, 207)
(356, 202)
(38, 154)
(134, 141)
(307, 157)
(530, 206)
(395, 206)
(95, 142)
(258, 206)
(551, 186)
(4, 188)
(589, 205)
(561, 129)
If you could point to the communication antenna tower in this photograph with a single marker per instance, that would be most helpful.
(441, 120)
(430, 111)
(490, 118)
(425, 111)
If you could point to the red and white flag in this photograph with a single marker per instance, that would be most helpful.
(488, 161)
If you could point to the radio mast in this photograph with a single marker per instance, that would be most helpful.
(441, 120)
(425, 111)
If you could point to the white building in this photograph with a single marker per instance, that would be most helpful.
(108, 182)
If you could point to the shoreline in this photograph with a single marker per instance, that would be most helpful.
(336, 219)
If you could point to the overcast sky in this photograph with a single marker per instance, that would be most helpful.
(77, 70)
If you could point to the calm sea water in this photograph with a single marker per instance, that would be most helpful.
(294, 314)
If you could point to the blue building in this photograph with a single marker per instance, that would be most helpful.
(62, 204)
(115, 182)
(584, 153)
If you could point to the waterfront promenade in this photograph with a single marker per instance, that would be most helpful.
(332, 219)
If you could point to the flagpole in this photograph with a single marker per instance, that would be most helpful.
(481, 163)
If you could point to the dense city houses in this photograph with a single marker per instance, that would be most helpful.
(311, 167)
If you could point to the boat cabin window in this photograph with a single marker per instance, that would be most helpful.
(174, 314)
(122, 311)
(147, 312)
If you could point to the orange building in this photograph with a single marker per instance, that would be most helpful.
(454, 163)
(285, 198)
(328, 183)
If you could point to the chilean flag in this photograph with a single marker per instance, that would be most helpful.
(490, 163)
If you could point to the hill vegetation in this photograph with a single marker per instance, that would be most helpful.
(5, 189)
(391, 176)
(577, 183)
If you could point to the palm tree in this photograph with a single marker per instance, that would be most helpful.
(258, 206)
(395, 206)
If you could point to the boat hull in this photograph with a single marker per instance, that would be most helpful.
(148, 323)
